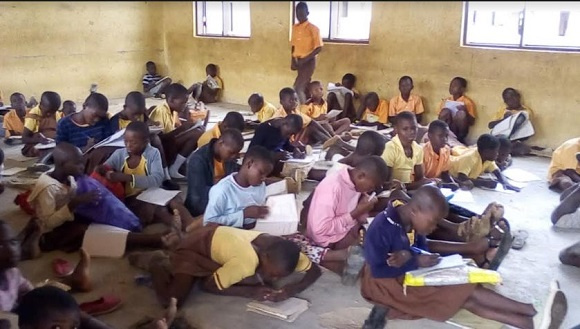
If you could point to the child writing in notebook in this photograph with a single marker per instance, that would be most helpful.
(239, 199)
(178, 143)
(467, 167)
(261, 108)
(210, 164)
(228, 261)
(138, 166)
(437, 154)
(40, 123)
(395, 244)
(404, 156)
(374, 112)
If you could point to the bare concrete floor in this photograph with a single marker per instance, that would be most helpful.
(526, 273)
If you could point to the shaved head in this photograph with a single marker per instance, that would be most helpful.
(68, 159)
(429, 198)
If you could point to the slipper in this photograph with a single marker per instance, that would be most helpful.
(502, 251)
(520, 237)
(103, 305)
(61, 267)
(555, 308)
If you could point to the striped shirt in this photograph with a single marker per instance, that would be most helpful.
(71, 132)
(149, 79)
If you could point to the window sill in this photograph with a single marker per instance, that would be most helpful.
(221, 37)
(526, 49)
(346, 42)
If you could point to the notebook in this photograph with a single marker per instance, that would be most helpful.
(115, 140)
(453, 106)
(157, 196)
(446, 262)
(288, 310)
(283, 218)
(105, 241)
(333, 114)
(276, 188)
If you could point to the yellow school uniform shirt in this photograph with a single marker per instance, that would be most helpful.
(266, 112)
(470, 164)
(403, 167)
(140, 170)
(501, 112)
(381, 114)
(305, 38)
(469, 104)
(280, 113)
(162, 114)
(314, 110)
(564, 157)
(398, 105)
(12, 122)
(30, 122)
(232, 248)
(207, 136)
(124, 123)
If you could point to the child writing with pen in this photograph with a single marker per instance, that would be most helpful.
(40, 123)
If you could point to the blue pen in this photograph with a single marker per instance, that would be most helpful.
(420, 251)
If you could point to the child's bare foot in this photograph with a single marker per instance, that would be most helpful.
(177, 224)
(347, 137)
(80, 279)
(195, 224)
(143, 259)
(31, 246)
(170, 312)
(170, 240)
(331, 141)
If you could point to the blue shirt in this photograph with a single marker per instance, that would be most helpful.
(227, 201)
(271, 138)
(386, 235)
(70, 132)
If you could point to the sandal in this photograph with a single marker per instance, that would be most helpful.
(103, 305)
(520, 237)
(62, 268)
(503, 248)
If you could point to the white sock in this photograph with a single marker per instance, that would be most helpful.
(166, 172)
(174, 169)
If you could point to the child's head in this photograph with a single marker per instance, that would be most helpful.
(256, 102)
(291, 125)
(134, 105)
(211, 70)
(49, 103)
(18, 102)
(278, 260)
(457, 86)
(349, 80)
(438, 133)
(47, 308)
(9, 247)
(229, 145)
(176, 97)
(488, 147)
(136, 137)
(68, 159)
(151, 67)
(427, 207)
(369, 174)
(258, 164)
(316, 90)
(372, 101)
(95, 108)
(505, 149)
(302, 12)
(405, 85)
(370, 143)
(69, 107)
(288, 99)
(406, 127)
(233, 120)
(512, 98)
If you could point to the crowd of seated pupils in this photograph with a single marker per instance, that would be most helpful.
(209, 238)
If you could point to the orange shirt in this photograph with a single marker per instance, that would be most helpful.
(398, 105)
(469, 104)
(434, 164)
(218, 171)
(13, 122)
(280, 113)
(305, 38)
(381, 114)
(314, 110)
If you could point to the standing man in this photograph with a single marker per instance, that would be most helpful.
(306, 44)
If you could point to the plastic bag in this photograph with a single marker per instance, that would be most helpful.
(468, 273)
(109, 210)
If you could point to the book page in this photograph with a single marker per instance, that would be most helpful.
(276, 188)
(333, 114)
(283, 217)
(157, 196)
(453, 106)
(287, 310)
(445, 263)
(105, 241)
(520, 175)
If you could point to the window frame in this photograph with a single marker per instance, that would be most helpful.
(329, 39)
(217, 36)
(521, 46)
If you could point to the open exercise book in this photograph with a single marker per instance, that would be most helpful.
(453, 106)
(157, 196)
(287, 310)
(283, 218)
(115, 140)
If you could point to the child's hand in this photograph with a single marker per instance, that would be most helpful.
(297, 154)
(461, 108)
(398, 258)
(428, 260)
(488, 183)
(101, 170)
(278, 295)
(258, 212)
(263, 293)
(466, 185)
(89, 197)
(116, 177)
(509, 186)
(365, 205)
(435, 181)
(90, 142)
(293, 64)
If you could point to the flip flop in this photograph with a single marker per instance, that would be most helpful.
(61, 267)
(502, 251)
(520, 237)
(103, 305)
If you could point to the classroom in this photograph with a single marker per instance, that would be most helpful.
(172, 164)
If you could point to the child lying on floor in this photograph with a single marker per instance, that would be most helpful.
(393, 247)
(208, 166)
(138, 166)
(228, 261)
(55, 200)
(467, 167)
